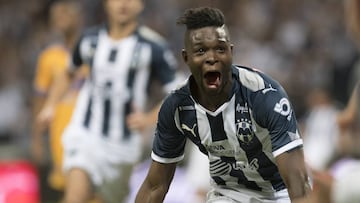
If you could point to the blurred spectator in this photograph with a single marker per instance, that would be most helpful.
(321, 129)
(337, 183)
(64, 26)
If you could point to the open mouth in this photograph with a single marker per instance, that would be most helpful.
(212, 78)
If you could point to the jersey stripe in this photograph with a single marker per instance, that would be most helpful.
(93, 46)
(112, 55)
(127, 111)
(217, 127)
(88, 113)
(107, 109)
(129, 64)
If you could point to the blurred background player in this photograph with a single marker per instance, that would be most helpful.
(65, 23)
(321, 131)
(103, 140)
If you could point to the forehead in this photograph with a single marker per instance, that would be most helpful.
(208, 34)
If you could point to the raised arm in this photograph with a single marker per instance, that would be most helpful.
(156, 183)
(293, 171)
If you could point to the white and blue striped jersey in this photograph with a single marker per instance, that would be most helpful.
(120, 73)
(241, 138)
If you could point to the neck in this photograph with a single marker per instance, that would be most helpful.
(70, 40)
(212, 101)
(119, 31)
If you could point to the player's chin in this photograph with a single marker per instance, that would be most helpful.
(213, 91)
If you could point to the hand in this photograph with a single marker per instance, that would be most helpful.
(323, 182)
(137, 121)
(45, 116)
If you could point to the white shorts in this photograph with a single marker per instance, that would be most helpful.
(99, 158)
(222, 195)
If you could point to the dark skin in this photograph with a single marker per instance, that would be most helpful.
(208, 53)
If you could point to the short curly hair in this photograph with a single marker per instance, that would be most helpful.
(195, 18)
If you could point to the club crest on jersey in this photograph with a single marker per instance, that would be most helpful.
(242, 109)
(244, 131)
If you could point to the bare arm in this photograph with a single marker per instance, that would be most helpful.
(292, 169)
(139, 120)
(37, 131)
(156, 183)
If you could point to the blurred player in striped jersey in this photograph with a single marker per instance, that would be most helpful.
(103, 140)
(237, 116)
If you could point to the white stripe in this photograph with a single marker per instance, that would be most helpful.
(251, 80)
(203, 126)
(166, 160)
(142, 76)
(288, 147)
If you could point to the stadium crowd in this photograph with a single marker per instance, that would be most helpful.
(305, 45)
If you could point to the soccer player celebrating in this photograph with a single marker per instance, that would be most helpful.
(239, 117)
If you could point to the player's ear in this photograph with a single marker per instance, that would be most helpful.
(184, 55)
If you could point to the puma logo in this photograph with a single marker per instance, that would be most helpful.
(191, 130)
(270, 88)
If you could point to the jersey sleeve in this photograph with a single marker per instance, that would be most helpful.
(169, 143)
(85, 48)
(273, 111)
(164, 67)
(51, 62)
(43, 74)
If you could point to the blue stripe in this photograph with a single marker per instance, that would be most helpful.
(130, 85)
(217, 127)
(218, 180)
(107, 107)
(88, 113)
(93, 45)
(126, 130)
(112, 55)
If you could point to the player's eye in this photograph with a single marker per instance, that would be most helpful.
(200, 50)
(221, 49)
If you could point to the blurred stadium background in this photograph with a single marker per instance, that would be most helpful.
(303, 44)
